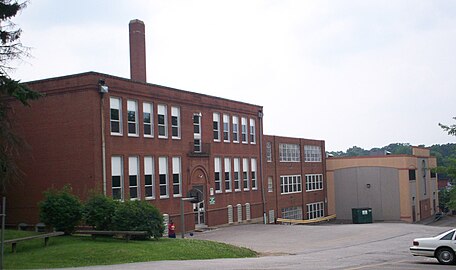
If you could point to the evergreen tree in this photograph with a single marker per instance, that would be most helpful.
(10, 49)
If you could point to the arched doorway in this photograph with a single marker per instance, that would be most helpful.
(198, 181)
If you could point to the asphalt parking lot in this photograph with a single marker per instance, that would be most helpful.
(326, 246)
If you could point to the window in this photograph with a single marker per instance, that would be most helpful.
(289, 152)
(132, 107)
(226, 128)
(116, 116)
(227, 174)
(245, 173)
(290, 184)
(216, 126)
(237, 174)
(315, 210)
(117, 177)
(175, 122)
(217, 177)
(253, 172)
(270, 184)
(197, 132)
(163, 176)
(252, 131)
(412, 175)
(177, 177)
(148, 120)
(314, 182)
(292, 212)
(149, 177)
(312, 153)
(448, 236)
(269, 152)
(235, 129)
(162, 121)
(433, 174)
(244, 129)
(133, 177)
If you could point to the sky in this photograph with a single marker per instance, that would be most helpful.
(364, 73)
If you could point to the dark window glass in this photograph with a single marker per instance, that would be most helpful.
(147, 118)
(448, 236)
(227, 185)
(131, 116)
(433, 174)
(116, 181)
(133, 192)
(163, 190)
(175, 131)
(133, 180)
(132, 128)
(116, 194)
(161, 119)
(176, 190)
(161, 130)
(162, 179)
(412, 175)
(147, 129)
(148, 179)
(176, 178)
(115, 127)
(174, 120)
(114, 114)
(148, 191)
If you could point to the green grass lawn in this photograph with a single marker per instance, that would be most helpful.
(73, 251)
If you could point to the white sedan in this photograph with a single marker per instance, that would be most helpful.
(442, 247)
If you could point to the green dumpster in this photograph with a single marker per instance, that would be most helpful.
(361, 215)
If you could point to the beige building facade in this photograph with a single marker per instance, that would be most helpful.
(396, 187)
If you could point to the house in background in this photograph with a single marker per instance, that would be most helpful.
(396, 187)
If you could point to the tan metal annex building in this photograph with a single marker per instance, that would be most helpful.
(396, 187)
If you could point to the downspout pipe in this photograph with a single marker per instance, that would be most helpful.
(103, 89)
(263, 196)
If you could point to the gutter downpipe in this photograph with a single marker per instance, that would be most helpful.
(103, 142)
(263, 196)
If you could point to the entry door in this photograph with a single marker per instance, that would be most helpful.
(199, 210)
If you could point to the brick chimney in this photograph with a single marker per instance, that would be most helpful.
(137, 50)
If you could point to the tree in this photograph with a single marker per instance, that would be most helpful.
(10, 49)
(450, 129)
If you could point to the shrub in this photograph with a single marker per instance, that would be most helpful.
(98, 211)
(61, 209)
(138, 216)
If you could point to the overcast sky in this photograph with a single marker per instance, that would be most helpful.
(364, 73)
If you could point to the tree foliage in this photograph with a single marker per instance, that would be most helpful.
(10, 49)
(450, 129)
(61, 209)
(99, 210)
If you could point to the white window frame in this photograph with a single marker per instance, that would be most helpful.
(315, 210)
(312, 153)
(148, 108)
(226, 128)
(245, 174)
(216, 126)
(290, 184)
(218, 175)
(117, 171)
(163, 170)
(294, 212)
(133, 171)
(115, 103)
(177, 171)
(314, 182)
(132, 108)
(244, 132)
(227, 174)
(270, 184)
(175, 115)
(237, 174)
(289, 152)
(269, 151)
(162, 110)
(252, 131)
(149, 170)
(197, 136)
(254, 173)
(235, 129)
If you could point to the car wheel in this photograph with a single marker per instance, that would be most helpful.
(445, 256)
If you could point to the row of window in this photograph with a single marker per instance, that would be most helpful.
(292, 183)
(314, 211)
(245, 135)
(292, 153)
(145, 182)
(244, 132)
(232, 174)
